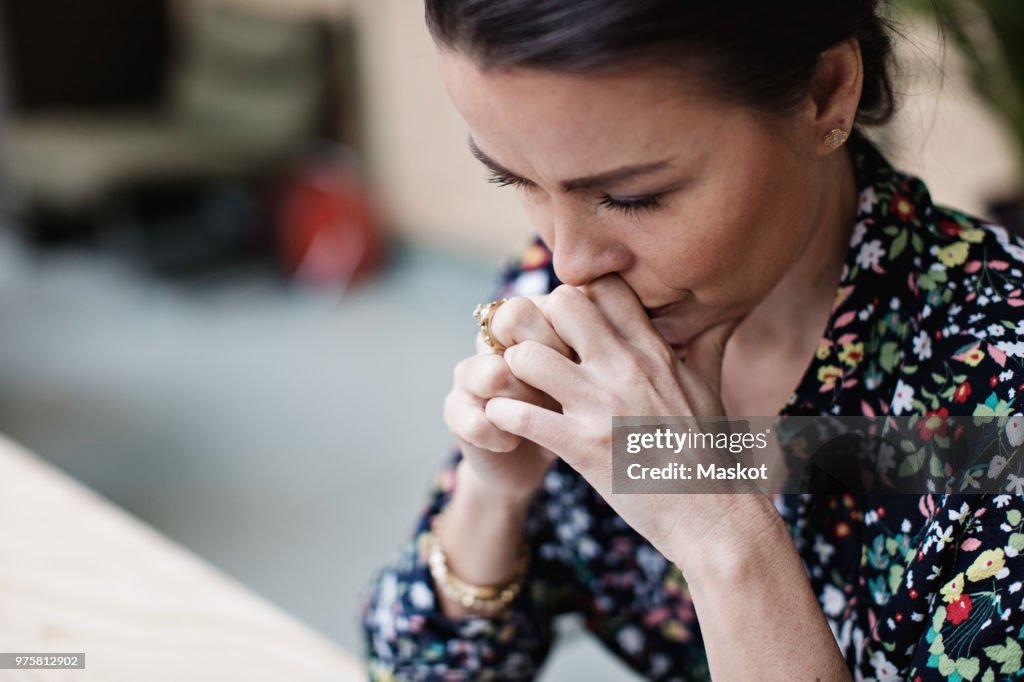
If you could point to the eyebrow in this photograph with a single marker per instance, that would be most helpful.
(603, 179)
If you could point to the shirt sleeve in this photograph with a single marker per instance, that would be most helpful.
(974, 621)
(410, 638)
(968, 570)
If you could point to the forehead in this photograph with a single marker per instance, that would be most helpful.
(546, 118)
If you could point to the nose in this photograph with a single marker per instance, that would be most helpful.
(583, 252)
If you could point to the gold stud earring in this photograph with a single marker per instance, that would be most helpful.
(835, 138)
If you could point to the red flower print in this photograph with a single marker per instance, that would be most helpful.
(993, 381)
(959, 610)
(933, 423)
(902, 207)
(950, 228)
(962, 392)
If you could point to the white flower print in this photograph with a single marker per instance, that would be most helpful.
(1015, 484)
(868, 198)
(996, 329)
(923, 346)
(904, 399)
(823, 549)
(832, 601)
(1014, 349)
(651, 561)
(1002, 500)
(885, 670)
(870, 254)
(631, 640)
(1015, 430)
(859, 230)
(421, 596)
(956, 515)
(1015, 251)
(944, 537)
(995, 467)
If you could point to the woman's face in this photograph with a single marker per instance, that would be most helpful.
(698, 205)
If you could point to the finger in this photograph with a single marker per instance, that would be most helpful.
(704, 354)
(621, 307)
(489, 376)
(545, 428)
(578, 322)
(520, 319)
(544, 369)
(465, 418)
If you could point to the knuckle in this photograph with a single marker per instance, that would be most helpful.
(451, 410)
(475, 426)
(513, 312)
(496, 378)
(525, 352)
(632, 363)
(562, 296)
(665, 356)
(522, 421)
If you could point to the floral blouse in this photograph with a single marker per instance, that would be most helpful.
(926, 321)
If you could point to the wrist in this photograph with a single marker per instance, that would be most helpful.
(482, 498)
(482, 534)
(735, 546)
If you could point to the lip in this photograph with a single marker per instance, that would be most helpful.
(660, 310)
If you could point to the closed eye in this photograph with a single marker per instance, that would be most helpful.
(635, 204)
(505, 180)
(629, 205)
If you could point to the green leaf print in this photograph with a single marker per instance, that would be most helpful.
(1009, 654)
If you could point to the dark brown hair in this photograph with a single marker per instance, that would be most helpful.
(755, 52)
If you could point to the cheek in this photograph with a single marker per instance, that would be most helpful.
(738, 248)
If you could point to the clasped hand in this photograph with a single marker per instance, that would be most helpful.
(575, 358)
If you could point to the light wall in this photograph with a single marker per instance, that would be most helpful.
(433, 189)
(943, 133)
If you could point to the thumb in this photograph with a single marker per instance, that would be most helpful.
(705, 352)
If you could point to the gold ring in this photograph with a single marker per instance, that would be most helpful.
(483, 314)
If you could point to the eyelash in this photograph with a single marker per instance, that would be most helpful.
(633, 205)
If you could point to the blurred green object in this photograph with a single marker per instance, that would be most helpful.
(989, 34)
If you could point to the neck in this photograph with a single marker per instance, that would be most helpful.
(796, 311)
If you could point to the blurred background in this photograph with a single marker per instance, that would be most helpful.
(240, 241)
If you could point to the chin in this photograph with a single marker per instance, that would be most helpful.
(682, 326)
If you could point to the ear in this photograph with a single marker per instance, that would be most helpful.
(835, 92)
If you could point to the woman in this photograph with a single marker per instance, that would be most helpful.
(707, 245)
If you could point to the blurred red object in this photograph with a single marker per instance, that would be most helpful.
(327, 229)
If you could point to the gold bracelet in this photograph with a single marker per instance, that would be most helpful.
(487, 600)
